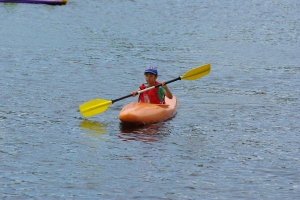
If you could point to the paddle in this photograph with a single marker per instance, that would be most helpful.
(98, 106)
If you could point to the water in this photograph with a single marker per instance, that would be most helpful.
(236, 132)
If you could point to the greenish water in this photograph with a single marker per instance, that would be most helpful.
(236, 132)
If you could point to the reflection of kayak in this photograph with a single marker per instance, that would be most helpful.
(51, 2)
(145, 113)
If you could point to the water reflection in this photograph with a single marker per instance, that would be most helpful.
(146, 133)
(93, 128)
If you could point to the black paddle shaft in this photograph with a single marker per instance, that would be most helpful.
(130, 95)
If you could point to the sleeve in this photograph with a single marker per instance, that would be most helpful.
(161, 93)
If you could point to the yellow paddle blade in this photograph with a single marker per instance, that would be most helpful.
(196, 73)
(94, 107)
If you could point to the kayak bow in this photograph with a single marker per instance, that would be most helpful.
(146, 113)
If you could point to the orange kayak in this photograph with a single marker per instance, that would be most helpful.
(146, 113)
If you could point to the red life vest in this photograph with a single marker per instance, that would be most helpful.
(152, 95)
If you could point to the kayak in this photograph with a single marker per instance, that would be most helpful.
(146, 113)
(51, 2)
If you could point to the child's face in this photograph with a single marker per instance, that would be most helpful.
(150, 78)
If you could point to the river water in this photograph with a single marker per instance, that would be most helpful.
(236, 134)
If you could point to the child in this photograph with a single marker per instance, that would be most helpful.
(155, 95)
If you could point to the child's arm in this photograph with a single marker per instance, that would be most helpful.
(168, 93)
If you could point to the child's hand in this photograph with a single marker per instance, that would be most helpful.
(163, 84)
(134, 93)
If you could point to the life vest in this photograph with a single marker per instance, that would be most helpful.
(152, 95)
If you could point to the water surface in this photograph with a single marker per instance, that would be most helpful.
(236, 132)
